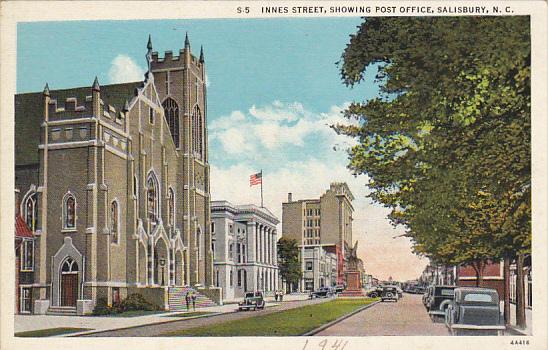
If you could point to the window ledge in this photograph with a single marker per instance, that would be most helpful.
(69, 230)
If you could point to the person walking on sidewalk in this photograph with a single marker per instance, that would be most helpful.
(194, 301)
(276, 295)
(187, 299)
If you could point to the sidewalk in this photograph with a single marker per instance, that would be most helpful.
(528, 318)
(25, 323)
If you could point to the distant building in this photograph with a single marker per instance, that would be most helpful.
(492, 275)
(244, 241)
(325, 221)
(319, 268)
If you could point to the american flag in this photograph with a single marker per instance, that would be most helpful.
(256, 179)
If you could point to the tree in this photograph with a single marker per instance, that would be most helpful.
(289, 266)
(447, 144)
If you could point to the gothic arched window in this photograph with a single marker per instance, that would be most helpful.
(171, 207)
(69, 211)
(197, 131)
(152, 199)
(171, 112)
(114, 218)
(31, 212)
(69, 266)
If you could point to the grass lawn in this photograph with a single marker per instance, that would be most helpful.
(50, 332)
(284, 323)
(189, 314)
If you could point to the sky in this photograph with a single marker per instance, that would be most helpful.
(273, 90)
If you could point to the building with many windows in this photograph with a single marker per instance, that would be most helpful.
(320, 268)
(325, 221)
(244, 245)
(114, 184)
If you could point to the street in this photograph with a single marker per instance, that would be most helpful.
(406, 317)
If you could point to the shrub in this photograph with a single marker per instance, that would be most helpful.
(134, 302)
(101, 308)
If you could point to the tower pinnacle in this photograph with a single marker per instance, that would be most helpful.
(149, 44)
(187, 42)
(96, 86)
(46, 90)
(201, 54)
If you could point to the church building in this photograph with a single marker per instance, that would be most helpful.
(114, 184)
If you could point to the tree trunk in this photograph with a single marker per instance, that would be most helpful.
(520, 294)
(507, 291)
(476, 270)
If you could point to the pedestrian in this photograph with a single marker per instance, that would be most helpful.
(281, 295)
(187, 299)
(194, 301)
(276, 295)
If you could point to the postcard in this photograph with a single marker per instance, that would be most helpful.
(303, 175)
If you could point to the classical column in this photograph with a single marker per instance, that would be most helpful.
(268, 245)
(261, 243)
(264, 245)
(274, 248)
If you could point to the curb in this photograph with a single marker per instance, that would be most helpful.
(148, 324)
(342, 318)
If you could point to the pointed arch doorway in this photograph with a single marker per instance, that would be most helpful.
(69, 282)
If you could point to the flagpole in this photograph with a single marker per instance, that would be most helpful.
(262, 188)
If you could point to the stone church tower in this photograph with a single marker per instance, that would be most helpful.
(180, 83)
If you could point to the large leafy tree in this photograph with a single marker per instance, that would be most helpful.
(447, 144)
(289, 266)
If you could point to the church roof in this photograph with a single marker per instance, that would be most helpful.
(21, 228)
(29, 113)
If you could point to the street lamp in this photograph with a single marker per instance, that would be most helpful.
(162, 264)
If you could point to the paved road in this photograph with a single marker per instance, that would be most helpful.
(406, 317)
(156, 330)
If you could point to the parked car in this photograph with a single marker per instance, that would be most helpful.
(474, 311)
(438, 299)
(389, 293)
(324, 292)
(252, 300)
(426, 296)
(419, 290)
(375, 292)
(339, 288)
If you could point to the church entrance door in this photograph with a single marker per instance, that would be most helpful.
(69, 283)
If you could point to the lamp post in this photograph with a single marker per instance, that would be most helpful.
(162, 264)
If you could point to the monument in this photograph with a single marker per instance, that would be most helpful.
(353, 274)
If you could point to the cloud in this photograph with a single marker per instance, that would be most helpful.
(123, 69)
(282, 129)
(207, 81)
(278, 125)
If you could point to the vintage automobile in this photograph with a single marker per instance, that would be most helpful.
(438, 299)
(389, 293)
(400, 292)
(474, 311)
(339, 288)
(426, 295)
(252, 300)
(323, 292)
(375, 292)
